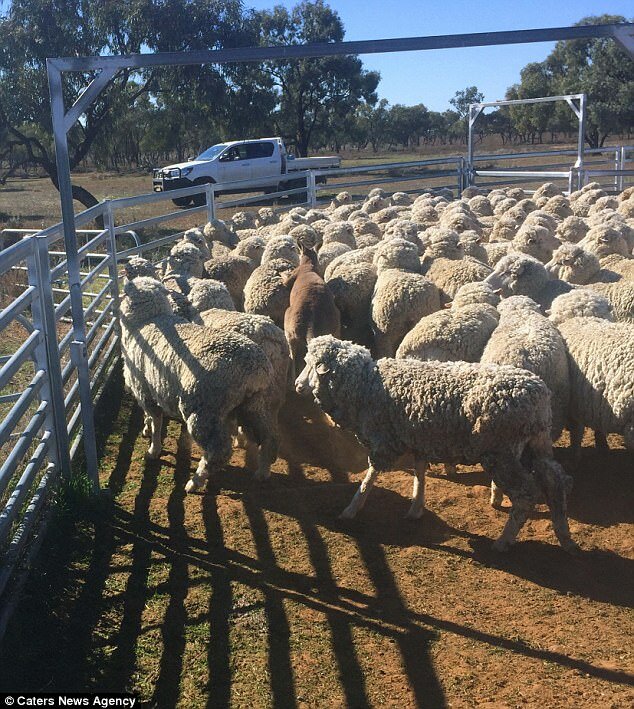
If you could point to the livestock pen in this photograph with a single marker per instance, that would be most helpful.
(252, 594)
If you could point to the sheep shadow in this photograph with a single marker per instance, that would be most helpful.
(69, 651)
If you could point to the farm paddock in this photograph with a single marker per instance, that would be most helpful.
(255, 594)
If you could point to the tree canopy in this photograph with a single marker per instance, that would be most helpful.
(144, 118)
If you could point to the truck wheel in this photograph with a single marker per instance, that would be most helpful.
(182, 201)
(199, 199)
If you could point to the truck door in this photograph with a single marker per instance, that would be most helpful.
(234, 165)
(264, 161)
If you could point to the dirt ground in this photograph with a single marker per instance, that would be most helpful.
(255, 594)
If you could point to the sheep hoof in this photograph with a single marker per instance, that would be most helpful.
(262, 475)
(500, 545)
(570, 547)
(152, 454)
(413, 513)
(194, 483)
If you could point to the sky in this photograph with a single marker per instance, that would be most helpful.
(433, 77)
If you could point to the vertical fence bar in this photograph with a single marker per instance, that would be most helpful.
(210, 200)
(460, 168)
(112, 263)
(79, 353)
(312, 189)
(581, 140)
(622, 162)
(55, 391)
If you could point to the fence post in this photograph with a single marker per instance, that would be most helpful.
(112, 263)
(39, 273)
(461, 185)
(210, 200)
(622, 161)
(312, 189)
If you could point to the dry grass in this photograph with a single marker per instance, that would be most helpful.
(256, 595)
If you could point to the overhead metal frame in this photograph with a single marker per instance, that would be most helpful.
(475, 109)
(108, 67)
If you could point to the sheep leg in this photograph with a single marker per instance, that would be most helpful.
(361, 494)
(576, 435)
(600, 441)
(496, 495)
(240, 439)
(511, 476)
(450, 469)
(147, 426)
(556, 486)
(156, 433)
(262, 427)
(418, 490)
(213, 436)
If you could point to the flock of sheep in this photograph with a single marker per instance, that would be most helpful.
(472, 331)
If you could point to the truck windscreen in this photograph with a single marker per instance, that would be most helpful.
(211, 153)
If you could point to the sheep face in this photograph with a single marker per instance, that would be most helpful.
(334, 367)
(139, 266)
(515, 271)
(573, 264)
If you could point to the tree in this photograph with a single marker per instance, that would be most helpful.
(309, 91)
(35, 29)
(601, 69)
(374, 121)
(461, 102)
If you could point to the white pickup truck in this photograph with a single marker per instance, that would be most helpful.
(239, 161)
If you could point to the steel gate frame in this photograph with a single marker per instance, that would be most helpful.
(475, 109)
(108, 67)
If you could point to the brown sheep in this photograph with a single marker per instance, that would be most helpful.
(312, 310)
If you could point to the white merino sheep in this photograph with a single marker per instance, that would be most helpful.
(340, 232)
(217, 231)
(526, 339)
(578, 304)
(601, 377)
(263, 332)
(536, 241)
(572, 229)
(206, 379)
(265, 292)
(197, 238)
(459, 333)
(352, 285)
(252, 248)
(520, 274)
(400, 299)
(329, 252)
(439, 411)
(234, 271)
(207, 294)
(281, 247)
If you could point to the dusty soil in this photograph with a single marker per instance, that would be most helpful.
(255, 594)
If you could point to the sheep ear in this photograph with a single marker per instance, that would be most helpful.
(448, 305)
(322, 368)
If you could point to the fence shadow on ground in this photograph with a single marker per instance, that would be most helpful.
(57, 638)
